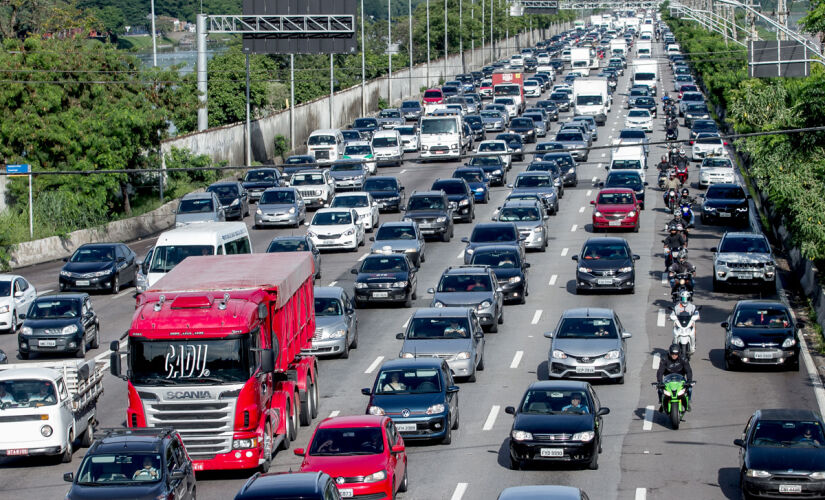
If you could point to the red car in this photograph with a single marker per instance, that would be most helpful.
(616, 208)
(364, 454)
(433, 96)
(486, 89)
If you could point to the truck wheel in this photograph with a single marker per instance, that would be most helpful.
(313, 400)
(305, 417)
(292, 422)
(89, 435)
(66, 457)
(286, 442)
(264, 467)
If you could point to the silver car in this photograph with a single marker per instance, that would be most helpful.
(336, 323)
(475, 287)
(301, 243)
(280, 206)
(453, 334)
(588, 343)
(531, 220)
(199, 207)
(400, 237)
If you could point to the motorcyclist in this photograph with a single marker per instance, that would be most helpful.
(682, 159)
(681, 265)
(684, 305)
(685, 199)
(663, 165)
(675, 364)
(674, 242)
(672, 124)
(672, 182)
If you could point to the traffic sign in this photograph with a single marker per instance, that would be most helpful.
(18, 170)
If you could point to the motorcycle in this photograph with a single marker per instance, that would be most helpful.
(686, 210)
(672, 134)
(682, 173)
(664, 173)
(670, 254)
(684, 331)
(675, 398)
(672, 199)
(682, 282)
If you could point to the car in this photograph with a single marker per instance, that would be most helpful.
(744, 258)
(257, 180)
(549, 108)
(476, 126)
(492, 166)
(646, 102)
(471, 286)
(781, 453)
(289, 486)
(432, 96)
(477, 180)
(297, 243)
(388, 147)
(385, 278)
(317, 187)
(539, 124)
(509, 265)
(199, 207)
(706, 144)
(560, 99)
(280, 206)
(496, 148)
(690, 98)
(432, 212)
(588, 343)
(698, 111)
(615, 208)
(99, 266)
(591, 124)
(409, 138)
(509, 104)
(761, 333)
(411, 110)
(297, 163)
(542, 492)
(567, 166)
(336, 323)
(460, 196)
(680, 80)
(134, 463)
(366, 450)
(16, 295)
(639, 118)
(64, 323)
(390, 118)
(387, 191)
(490, 233)
(543, 148)
(361, 150)
(605, 263)
(348, 175)
(350, 136)
(336, 228)
(450, 333)
(547, 427)
(366, 126)
(492, 120)
(634, 94)
(233, 198)
(532, 88)
(699, 126)
(400, 237)
(542, 184)
(624, 179)
(716, 170)
(551, 168)
(579, 126)
(530, 218)
(501, 109)
(726, 203)
(363, 204)
(575, 142)
(628, 136)
(420, 396)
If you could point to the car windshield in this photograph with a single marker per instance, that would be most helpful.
(260, 176)
(299, 160)
(522, 123)
(569, 136)
(119, 469)
(287, 245)
(328, 306)
(519, 214)
(395, 233)
(350, 202)
(473, 120)
(725, 193)
(639, 113)
(411, 104)
(492, 234)
(321, 140)
(589, 100)
(761, 317)
(351, 135)
(697, 108)
(408, 381)
(439, 328)
(385, 142)
(450, 187)
(615, 199)
(332, 218)
(426, 203)
(587, 328)
(553, 402)
(406, 130)
(732, 244)
(559, 96)
(532, 181)
(5, 288)
(497, 259)
(619, 180)
(469, 176)
(93, 254)
(605, 251)
(365, 123)
(196, 206)
(389, 113)
(490, 114)
(54, 308)
(384, 264)
(716, 162)
(632, 134)
(357, 150)
(277, 198)
(224, 192)
(705, 125)
(449, 89)
(508, 89)
(506, 101)
(787, 434)
(344, 441)
(495, 147)
(345, 166)
(24, 393)
(645, 101)
(490, 161)
(380, 185)
(465, 283)
(307, 179)
(433, 94)
(692, 96)
(164, 258)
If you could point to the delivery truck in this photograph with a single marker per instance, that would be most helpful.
(591, 98)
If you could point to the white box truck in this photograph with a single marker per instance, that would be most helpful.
(47, 406)
(580, 60)
(644, 49)
(618, 47)
(646, 72)
(591, 98)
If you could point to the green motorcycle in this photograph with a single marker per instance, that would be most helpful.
(675, 400)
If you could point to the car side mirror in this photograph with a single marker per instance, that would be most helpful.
(602, 411)
(546, 217)
(177, 474)
(431, 290)
(800, 324)
(452, 389)
(593, 202)
(510, 410)
(399, 448)
(401, 188)
(636, 257)
(306, 223)
(508, 185)
(549, 335)
(372, 238)
(644, 183)
(353, 271)
(575, 257)
(399, 336)
(18, 294)
(465, 240)
(366, 391)
(65, 259)
(626, 335)
(68, 477)
(739, 442)
(526, 265)
(724, 324)
(713, 249)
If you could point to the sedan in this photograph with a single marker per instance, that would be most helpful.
(336, 323)
(364, 453)
(336, 228)
(531, 220)
(364, 206)
(16, 295)
(707, 145)
(493, 121)
(492, 166)
(411, 110)
(588, 343)
(615, 208)
(348, 175)
(477, 180)
(233, 197)
(294, 244)
(557, 421)
(542, 184)
(726, 203)
(476, 287)
(716, 170)
(576, 143)
(605, 264)
(386, 191)
(639, 118)
(385, 278)
(647, 103)
(400, 237)
(491, 233)
(280, 206)
(702, 126)
(525, 128)
(532, 88)
(390, 118)
(542, 492)
(99, 266)
(761, 332)
(64, 323)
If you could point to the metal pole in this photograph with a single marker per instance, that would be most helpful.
(154, 41)
(473, 38)
(411, 91)
(389, 52)
(445, 40)
(428, 44)
(483, 17)
(203, 111)
(31, 207)
(331, 92)
(363, 65)
(292, 102)
(248, 131)
(461, 37)
(492, 39)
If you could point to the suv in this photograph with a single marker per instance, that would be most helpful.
(233, 197)
(134, 463)
(288, 486)
(460, 196)
(743, 258)
(316, 187)
(431, 211)
(475, 287)
(531, 220)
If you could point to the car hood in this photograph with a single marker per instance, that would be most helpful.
(503, 274)
(331, 229)
(142, 492)
(535, 190)
(572, 143)
(394, 245)
(586, 347)
(346, 173)
(490, 119)
(382, 195)
(716, 170)
(456, 197)
(425, 214)
(330, 322)
(553, 424)
(51, 323)
(386, 149)
(90, 267)
(227, 200)
(610, 207)
(777, 459)
(280, 207)
(345, 465)
(725, 203)
(475, 185)
(381, 277)
(259, 184)
(394, 403)
(605, 264)
(437, 346)
(193, 218)
(458, 299)
(762, 335)
(744, 258)
(527, 224)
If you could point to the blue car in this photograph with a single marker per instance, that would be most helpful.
(420, 397)
(478, 181)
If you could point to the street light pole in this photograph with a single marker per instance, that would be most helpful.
(248, 138)
(483, 16)
(445, 40)
(473, 33)
(428, 44)
(389, 52)
(363, 65)
(461, 37)
(492, 39)
(154, 42)
(411, 91)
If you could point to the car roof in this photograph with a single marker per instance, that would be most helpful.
(359, 143)
(761, 303)
(333, 210)
(198, 196)
(62, 295)
(412, 363)
(9, 277)
(99, 245)
(787, 414)
(325, 131)
(562, 385)
(352, 421)
(351, 193)
(541, 492)
(519, 203)
(588, 312)
(441, 312)
(743, 234)
(496, 248)
(133, 440)
(383, 177)
(611, 190)
(296, 237)
(469, 269)
(288, 484)
(534, 173)
(606, 240)
(223, 183)
(397, 223)
(431, 192)
(328, 292)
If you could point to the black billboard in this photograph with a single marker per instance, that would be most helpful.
(775, 58)
(312, 27)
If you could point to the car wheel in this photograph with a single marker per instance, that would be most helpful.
(354, 343)
(493, 328)
(445, 237)
(13, 328)
(404, 483)
(96, 339)
(717, 286)
(81, 350)
(501, 315)
(515, 464)
(456, 420)
(636, 228)
(24, 355)
(116, 284)
(794, 367)
(448, 436)
(408, 302)
(472, 378)
(66, 457)
(345, 353)
(480, 366)
(729, 364)
(594, 461)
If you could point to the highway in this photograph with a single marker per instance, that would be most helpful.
(642, 458)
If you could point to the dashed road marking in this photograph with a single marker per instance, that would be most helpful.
(564, 252)
(458, 493)
(333, 283)
(553, 279)
(664, 278)
(402, 170)
(121, 294)
(581, 210)
(536, 317)
(595, 179)
(516, 359)
(573, 229)
(604, 154)
(491, 418)
(589, 192)
(648, 424)
(460, 255)
(657, 358)
(374, 364)
(641, 494)
(334, 413)
(660, 320)
(406, 323)
(363, 257)
(44, 292)
(599, 167)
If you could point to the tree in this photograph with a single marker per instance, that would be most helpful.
(814, 21)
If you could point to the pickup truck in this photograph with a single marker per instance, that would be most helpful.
(47, 406)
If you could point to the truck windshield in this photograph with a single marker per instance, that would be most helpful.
(589, 100)
(192, 361)
(645, 77)
(439, 126)
(165, 258)
(27, 394)
(509, 89)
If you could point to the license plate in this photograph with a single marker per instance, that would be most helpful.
(380, 295)
(552, 452)
(790, 488)
(614, 223)
(744, 276)
(605, 282)
(725, 214)
(585, 369)
(346, 492)
(17, 452)
(82, 282)
(406, 427)
(762, 355)
(47, 343)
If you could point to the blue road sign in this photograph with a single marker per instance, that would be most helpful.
(17, 169)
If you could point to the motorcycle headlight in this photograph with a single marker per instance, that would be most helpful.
(625, 269)
(681, 392)
(441, 219)
(583, 269)
(789, 342)
(438, 304)
(360, 285)
(464, 202)
(399, 284)
(557, 354)
(585, 436)
(69, 330)
(515, 279)
(666, 392)
(349, 232)
(376, 476)
(338, 334)
(26, 330)
(292, 210)
(4, 309)
(614, 354)
(439, 408)
(376, 410)
(463, 355)
(736, 341)
(758, 473)
(521, 435)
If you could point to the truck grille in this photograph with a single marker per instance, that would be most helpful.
(308, 192)
(206, 428)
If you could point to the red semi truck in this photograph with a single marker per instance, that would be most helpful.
(509, 84)
(214, 350)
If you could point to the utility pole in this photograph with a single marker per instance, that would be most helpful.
(483, 57)
(782, 18)
(248, 134)
(445, 40)
(292, 102)
(492, 38)
(461, 38)
(473, 37)
(389, 52)
(409, 7)
(363, 65)
(203, 111)
(428, 43)
(331, 92)
(154, 41)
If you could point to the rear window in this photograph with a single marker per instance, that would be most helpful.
(450, 187)
(491, 234)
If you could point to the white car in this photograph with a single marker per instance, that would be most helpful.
(532, 88)
(496, 146)
(639, 118)
(543, 58)
(361, 150)
(16, 295)
(409, 138)
(716, 170)
(516, 61)
(707, 145)
(336, 228)
(363, 204)
(388, 147)
(509, 104)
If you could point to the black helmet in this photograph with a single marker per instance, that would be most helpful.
(674, 349)
(685, 192)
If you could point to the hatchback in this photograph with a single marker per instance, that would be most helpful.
(280, 206)
(761, 332)
(385, 278)
(615, 208)
(258, 180)
(471, 286)
(510, 267)
(289, 486)
(400, 237)
(364, 206)
(233, 197)
(64, 323)
(199, 207)
(336, 228)
(491, 233)
(605, 264)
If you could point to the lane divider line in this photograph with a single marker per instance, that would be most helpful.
(460, 255)
(595, 179)
(374, 364)
(363, 257)
(333, 283)
(657, 358)
(402, 170)
(44, 292)
(406, 323)
(581, 210)
(589, 192)
(121, 294)
(553, 279)
(648, 424)
(573, 229)
(458, 493)
(564, 252)
(641, 494)
(660, 320)
(491, 418)
(516, 359)
(536, 317)
(334, 413)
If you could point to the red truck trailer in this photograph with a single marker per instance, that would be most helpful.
(509, 84)
(214, 350)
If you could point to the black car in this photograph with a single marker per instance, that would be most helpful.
(701, 127)
(557, 421)
(632, 180)
(561, 100)
(476, 126)
(695, 112)
(431, 211)
(761, 332)
(543, 148)
(605, 263)
(530, 64)
(134, 463)
(289, 486)
(551, 108)
(462, 200)
(386, 191)
(490, 233)
(510, 266)
(385, 278)
(411, 110)
(296, 163)
(568, 166)
(725, 203)
(258, 180)
(366, 127)
(450, 90)
(493, 166)
(64, 323)
(233, 197)
(515, 143)
(99, 266)
(781, 455)
(551, 167)
(647, 103)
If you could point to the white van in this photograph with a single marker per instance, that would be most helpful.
(326, 145)
(388, 147)
(441, 136)
(629, 158)
(208, 238)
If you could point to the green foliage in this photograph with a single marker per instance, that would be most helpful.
(280, 147)
(814, 21)
(178, 183)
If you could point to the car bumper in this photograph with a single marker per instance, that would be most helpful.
(623, 223)
(753, 276)
(512, 291)
(461, 367)
(356, 185)
(436, 229)
(326, 347)
(493, 127)
(600, 368)
(586, 281)
(441, 152)
(534, 240)
(760, 356)
(382, 294)
(462, 212)
(232, 211)
(255, 195)
(388, 160)
(5, 320)
(43, 344)
(707, 180)
(735, 216)
(276, 219)
(366, 491)
(34, 451)
(479, 195)
(531, 451)
(388, 204)
(770, 488)
(342, 242)
(427, 427)
(99, 283)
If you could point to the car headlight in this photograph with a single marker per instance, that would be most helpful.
(235, 202)
(46, 431)
(583, 269)
(571, 170)
(742, 209)
(614, 354)
(376, 476)
(349, 232)
(758, 473)
(311, 233)
(515, 279)
(67, 330)
(789, 342)
(292, 210)
(597, 213)
(464, 202)
(497, 171)
(399, 284)
(407, 355)
(65, 274)
(453, 146)
(4, 309)
(244, 444)
(736, 341)
(26, 330)
(463, 355)
(376, 410)
(338, 334)
(817, 475)
(484, 305)
(557, 354)
(98, 274)
(709, 209)
(441, 219)
(439, 408)
(538, 229)
(480, 190)
(585, 436)
(360, 285)
(632, 213)
(259, 212)
(625, 269)
(521, 435)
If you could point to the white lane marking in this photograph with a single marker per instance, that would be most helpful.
(460, 255)
(374, 364)
(553, 279)
(610, 136)
(581, 210)
(604, 154)
(664, 278)
(599, 167)
(589, 192)
(334, 413)
(564, 252)
(819, 391)
(516, 359)
(536, 317)
(402, 170)
(657, 358)
(641, 494)
(595, 179)
(573, 229)
(660, 320)
(458, 493)
(121, 294)
(363, 257)
(404, 326)
(44, 292)
(491, 418)
(648, 418)
(333, 283)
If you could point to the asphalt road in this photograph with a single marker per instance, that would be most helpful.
(642, 457)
